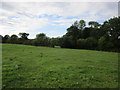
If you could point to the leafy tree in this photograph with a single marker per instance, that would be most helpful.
(29, 42)
(105, 43)
(67, 42)
(114, 24)
(102, 43)
(94, 24)
(91, 43)
(5, 38)
(76, 24)
(95, 32)
(81, 43)
(13, 39)
(24, 36)
(42, 40)
(1, 37)
(79, 24)
(55, 42)
(86, 33)
(115, 31)
(73, 32)
(82, 24)
(112, 28)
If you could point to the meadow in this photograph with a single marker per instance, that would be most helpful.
(44, 67)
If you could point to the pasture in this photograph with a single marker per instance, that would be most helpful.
(44, 67)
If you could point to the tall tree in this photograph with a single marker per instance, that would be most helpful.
(42, 40)
(24, 36)
(94, 24)
(114, 31)
(67, 42)
(13, 39)
(73, 31)
(86, 33)
(79, 24)
(82, 24)
(40, 36)
(5, 38)
(1, 37)
(114, 24)
(76, 23)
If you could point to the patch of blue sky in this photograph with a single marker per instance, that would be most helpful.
(72, 17)
(79, 17)
(53, 17)
(86, 16)
(51, 28)
(100, 21)
(57, 23)
(48, 29)
(13, 17)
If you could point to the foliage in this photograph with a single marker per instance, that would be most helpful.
(94, 24)
(24, 36)
(41, 40)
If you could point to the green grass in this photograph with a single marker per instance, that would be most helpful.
(44, 67)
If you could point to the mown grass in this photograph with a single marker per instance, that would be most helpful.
(44, 67)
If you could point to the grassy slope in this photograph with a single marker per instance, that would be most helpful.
(35, 67)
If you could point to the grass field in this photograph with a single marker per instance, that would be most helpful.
(43, 67)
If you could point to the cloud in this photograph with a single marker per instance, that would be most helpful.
(32, 17)
(60, 0)
(23, 24)
(54, 33)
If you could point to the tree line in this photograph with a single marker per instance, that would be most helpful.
(96, 36)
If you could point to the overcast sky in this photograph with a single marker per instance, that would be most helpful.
(49, 17)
